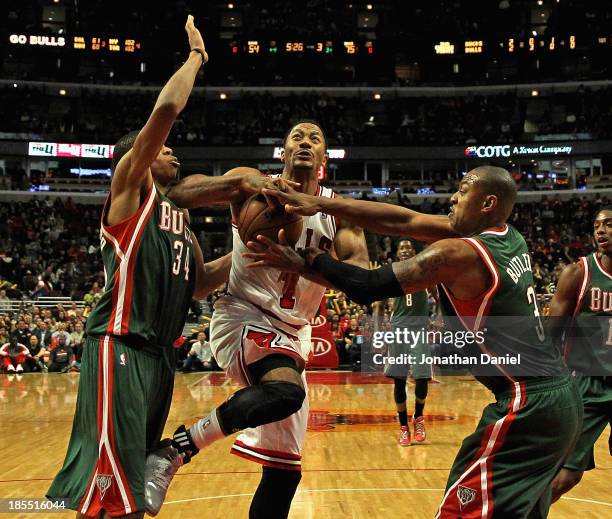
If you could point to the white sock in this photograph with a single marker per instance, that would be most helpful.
(207, 430)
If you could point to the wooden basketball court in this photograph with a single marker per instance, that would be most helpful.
(352, 464)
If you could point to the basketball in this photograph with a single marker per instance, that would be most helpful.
(256, 217)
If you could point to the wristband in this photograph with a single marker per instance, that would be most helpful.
(201, 53)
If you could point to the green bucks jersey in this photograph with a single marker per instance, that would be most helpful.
(507, 313)
(410, 308)
(150, 273)
(588, 345)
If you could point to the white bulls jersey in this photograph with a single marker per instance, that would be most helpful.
(295, 302)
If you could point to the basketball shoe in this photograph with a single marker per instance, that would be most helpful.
(419, 429)
(160, 468)
(404, 439)
(162, 465)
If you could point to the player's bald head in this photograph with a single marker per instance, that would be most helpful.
(492, 180)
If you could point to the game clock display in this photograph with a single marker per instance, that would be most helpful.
(325, 47)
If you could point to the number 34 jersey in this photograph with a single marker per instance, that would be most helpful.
(150, 274)
(286, 297)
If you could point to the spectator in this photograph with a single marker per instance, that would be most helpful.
(5, 302)
(77, 338)
(13, 355)
(353, 339)
(23, 332)
(61, 331)
(61, 357)
(36, 359)
(200, 356)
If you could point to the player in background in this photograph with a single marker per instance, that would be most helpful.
(410, 312)
(503, 469)
(153, 266)
(260, 336)
(581, 308)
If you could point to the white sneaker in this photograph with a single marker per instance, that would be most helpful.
(10, 368)
(19, 368)
(160, 468)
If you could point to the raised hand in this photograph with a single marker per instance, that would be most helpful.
(195, 38)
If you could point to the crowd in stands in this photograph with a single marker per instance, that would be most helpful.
(57, 253)
(42, 339)
(49, 247)
(103, 116)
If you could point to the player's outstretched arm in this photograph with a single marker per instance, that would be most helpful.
(381, 218)
(443, 262)
(132, 174)
(564, 302)
(234, 186)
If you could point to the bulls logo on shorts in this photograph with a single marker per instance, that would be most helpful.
(465, 495)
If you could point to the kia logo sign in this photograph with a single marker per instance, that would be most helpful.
(320, 347)
(317, 321)
(487, 151)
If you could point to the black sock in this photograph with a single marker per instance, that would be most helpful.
(421, 387)
(418, 409)
(273, 497)
(403, 418)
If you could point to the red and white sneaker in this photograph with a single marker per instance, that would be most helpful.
(419, 429)
(404, 439)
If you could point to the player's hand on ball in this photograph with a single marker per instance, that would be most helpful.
(195, 38)
(255, 184)
(267, 253)
(294, 201)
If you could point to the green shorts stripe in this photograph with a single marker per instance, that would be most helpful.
(504, 469)
(122, 404)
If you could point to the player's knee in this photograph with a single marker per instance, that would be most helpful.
(565, 481)
(261, 404)
(287, 397)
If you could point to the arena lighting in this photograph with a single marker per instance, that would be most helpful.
(332, 153)
(369, 7)
(62, 92)
(540, 2)
(222, 95)
(377, 96)
(535, 93)
(14, 85)
(230, 6)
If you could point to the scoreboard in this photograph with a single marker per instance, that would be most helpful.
(524, 44)
(322, 47)
(98, 43)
